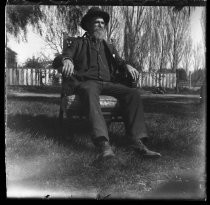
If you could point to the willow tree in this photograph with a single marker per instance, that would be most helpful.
(198, 56)
(49, 21)
(203, 26)
(60, 22)
(113, 24)
(187, 54)
(18, 18)
(133, 34)
(179, 22)
(157, 39)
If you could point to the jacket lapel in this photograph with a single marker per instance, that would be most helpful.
(109, 46)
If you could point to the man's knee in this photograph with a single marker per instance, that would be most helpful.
(88, 90)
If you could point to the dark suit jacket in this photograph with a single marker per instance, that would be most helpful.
(78, 51)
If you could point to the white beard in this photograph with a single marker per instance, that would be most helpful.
(99, 34)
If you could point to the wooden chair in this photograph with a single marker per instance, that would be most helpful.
(71, 107)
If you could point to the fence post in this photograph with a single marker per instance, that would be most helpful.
(31, 74)
(45, 76)
(153, 79)
(156, 79)
(24, 71)
(16, 76)
(164, 80)
(150, 79)
(190, 78)
(142, 78)
(27, 83)
(12, 78)
(28, 74)
(8, 76)
(172, 80)
(19, 76)
(37, 76)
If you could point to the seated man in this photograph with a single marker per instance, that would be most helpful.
(89, 68)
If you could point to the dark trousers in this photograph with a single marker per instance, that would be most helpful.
(130, 102)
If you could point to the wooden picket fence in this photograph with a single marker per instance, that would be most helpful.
(31, 76)
(151, 79)
(47, 77)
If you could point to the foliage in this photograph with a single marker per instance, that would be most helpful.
(36, 63)
(59, 20)
(203, 26)
(71, 16)
(154, 37)
(19, 17)
(148, 37)
(198, 57)
(187, 54)
(56, 20)
(159, 37)
(181, 74)
(113, 20)
(198, 77)
(179, 31)
(134, 21)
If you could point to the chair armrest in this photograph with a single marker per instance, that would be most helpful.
(58, 63)
(126, 79)
(122, 77)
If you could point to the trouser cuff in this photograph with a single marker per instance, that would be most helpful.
(97, 141)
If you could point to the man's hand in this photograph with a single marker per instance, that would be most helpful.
(68, 68)
(134, 73)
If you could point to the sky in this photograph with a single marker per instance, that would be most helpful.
(196, 30)
(36, 44)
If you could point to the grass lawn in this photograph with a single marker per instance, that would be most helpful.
(39, 163)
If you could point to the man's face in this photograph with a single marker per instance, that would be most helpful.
(97, 28)
(97, 23)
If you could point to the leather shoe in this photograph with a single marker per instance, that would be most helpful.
(140, 148)
(106, 150)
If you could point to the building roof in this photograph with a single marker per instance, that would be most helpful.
(11, 51)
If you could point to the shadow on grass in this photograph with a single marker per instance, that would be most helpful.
(78, 134)
(51, 99)
(43, 125)
(35, 89)
(174, 107)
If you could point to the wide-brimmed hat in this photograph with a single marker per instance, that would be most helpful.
(94, 12)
